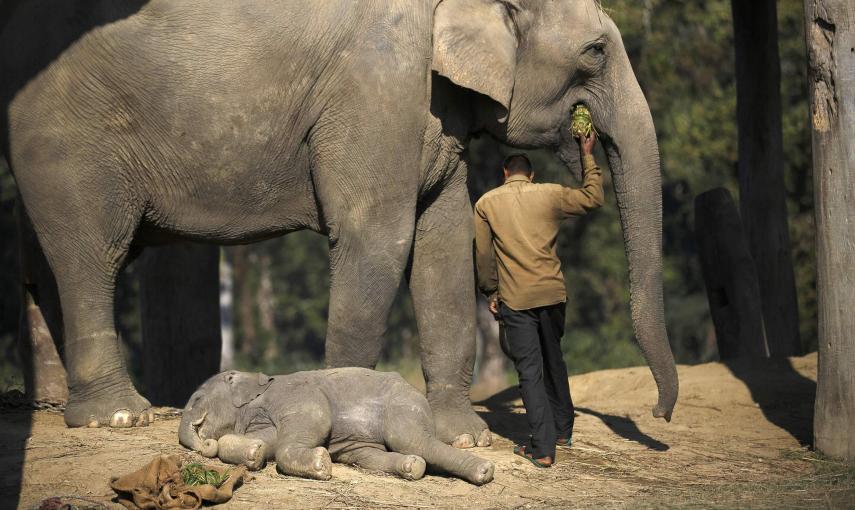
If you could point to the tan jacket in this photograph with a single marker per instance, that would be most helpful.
(516, 226)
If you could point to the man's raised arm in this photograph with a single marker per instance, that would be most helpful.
(575, 202)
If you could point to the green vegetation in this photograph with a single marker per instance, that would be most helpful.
(196, 474)
(682, 53)
(582, 124)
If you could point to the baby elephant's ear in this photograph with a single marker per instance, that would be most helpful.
(247, 387)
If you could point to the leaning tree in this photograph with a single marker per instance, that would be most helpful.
(830, 34)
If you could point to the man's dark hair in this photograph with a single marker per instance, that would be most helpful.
(518, 164)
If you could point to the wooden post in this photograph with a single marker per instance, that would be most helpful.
(830, 33)
(762, 193)
(180, 318)
(730, 276)
(40, 321)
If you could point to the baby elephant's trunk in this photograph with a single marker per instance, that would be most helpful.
(188, 435)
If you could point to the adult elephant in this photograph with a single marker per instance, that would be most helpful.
(138, 123)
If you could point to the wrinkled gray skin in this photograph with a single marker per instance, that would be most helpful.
(230, 122)
(306, 421)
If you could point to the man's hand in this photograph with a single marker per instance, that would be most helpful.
(494, 305)
(586, 144)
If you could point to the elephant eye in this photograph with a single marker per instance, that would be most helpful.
(592, 58)
(596, 49)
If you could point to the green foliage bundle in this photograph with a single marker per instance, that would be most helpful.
(582, 125)
(196, 474)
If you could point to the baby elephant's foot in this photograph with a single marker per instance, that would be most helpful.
(239, 449)
(321, 465)
(306, 462)
(411, 467)
(481, 472)
(256, 455)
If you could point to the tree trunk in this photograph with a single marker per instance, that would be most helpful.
(40, 321)
(729, 276)
(830, 33)
(762, 195)
(180, 309)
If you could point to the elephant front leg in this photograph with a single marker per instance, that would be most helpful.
(249, 451)
(443, 289)
(301, 434)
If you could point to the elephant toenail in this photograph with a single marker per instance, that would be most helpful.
(121, 418)
(485, 439)
(464, 441)
(92, 423)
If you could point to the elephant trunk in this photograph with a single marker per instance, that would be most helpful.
(188, 435)
(633, 153)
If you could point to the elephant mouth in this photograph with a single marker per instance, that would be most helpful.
(192, 435)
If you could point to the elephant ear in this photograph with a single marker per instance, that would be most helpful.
(246, 387)
(475, 46)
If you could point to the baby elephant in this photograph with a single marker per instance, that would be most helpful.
(306, 420)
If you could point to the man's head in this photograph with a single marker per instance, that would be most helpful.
(518, 164)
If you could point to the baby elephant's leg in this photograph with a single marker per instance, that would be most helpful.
(411, 435)
(237, 449)
(376, 458)
(298, 445)
(304, 462)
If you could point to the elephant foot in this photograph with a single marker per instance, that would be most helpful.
(411, 467)
(457, 424)
(118, 409)
(481, 472)
(312, 463)
(321, 467)
(256, 455)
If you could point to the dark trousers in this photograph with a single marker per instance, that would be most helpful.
(533, 341)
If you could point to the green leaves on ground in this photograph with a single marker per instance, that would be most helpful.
(196, 474)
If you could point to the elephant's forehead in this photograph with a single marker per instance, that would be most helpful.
(570, 22)
(569, 11)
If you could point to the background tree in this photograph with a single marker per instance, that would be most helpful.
(830, 30)
(180, 320)
(762, 196)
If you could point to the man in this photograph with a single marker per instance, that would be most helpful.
(516, 227)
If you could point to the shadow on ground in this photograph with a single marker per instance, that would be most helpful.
(15, 425)
(502, 419)
(784, 396)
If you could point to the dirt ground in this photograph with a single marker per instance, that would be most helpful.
(737, 440)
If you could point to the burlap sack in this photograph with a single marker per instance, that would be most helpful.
(158, 485)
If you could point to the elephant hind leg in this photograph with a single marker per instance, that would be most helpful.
(411, 435)
(376, 458)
